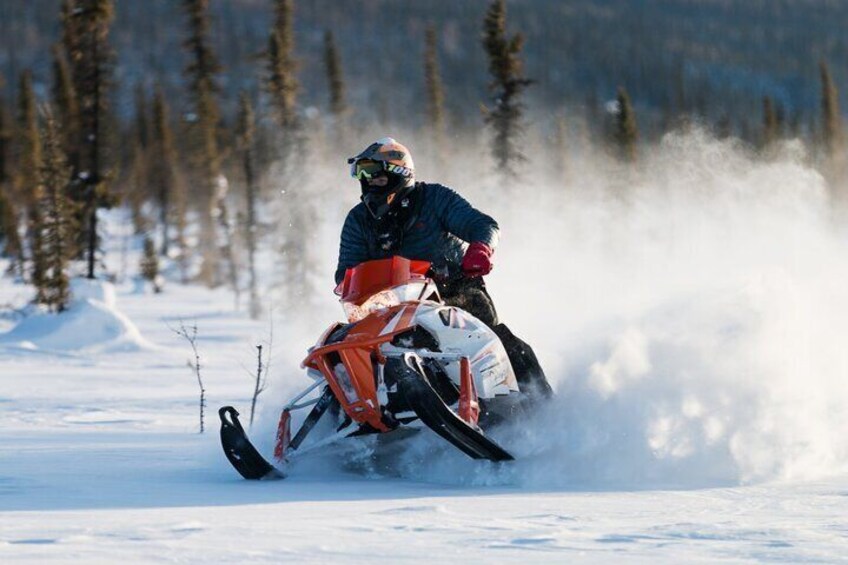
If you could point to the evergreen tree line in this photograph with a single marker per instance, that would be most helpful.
(711, 58)
(67, 155)
(55, 175)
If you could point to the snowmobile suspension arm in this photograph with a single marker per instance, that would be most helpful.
(348, 430)
(293, 405)
(315, 414)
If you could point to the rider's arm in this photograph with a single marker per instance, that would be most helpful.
(353, 248)
(463, 220)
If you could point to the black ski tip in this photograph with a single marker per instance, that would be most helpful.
(240, 452)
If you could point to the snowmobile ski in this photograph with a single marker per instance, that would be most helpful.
(240, 452)
(436, 415)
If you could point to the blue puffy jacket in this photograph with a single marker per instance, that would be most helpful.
(438, 229)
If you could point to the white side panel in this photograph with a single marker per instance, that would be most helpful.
(462, 334)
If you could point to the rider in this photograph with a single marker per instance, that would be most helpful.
(430, 222)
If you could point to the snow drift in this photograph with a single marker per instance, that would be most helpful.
(91, 323)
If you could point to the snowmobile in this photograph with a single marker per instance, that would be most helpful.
(404, 359)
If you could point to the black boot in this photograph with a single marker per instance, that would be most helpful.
(528, 372)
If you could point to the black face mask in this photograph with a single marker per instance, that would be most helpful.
(376, 199)
(380, 200)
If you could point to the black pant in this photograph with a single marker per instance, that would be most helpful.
(471, 295)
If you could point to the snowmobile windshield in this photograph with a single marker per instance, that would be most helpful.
(368, 278)
(382, 283)
(385, 299)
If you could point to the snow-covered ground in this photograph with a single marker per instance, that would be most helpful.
(101, 462)
(696, 343)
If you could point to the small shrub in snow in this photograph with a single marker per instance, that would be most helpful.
(190, 334)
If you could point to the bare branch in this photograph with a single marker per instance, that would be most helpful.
(190, 334)
(258, 386)
(263, 364)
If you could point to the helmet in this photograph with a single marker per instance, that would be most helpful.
(384, 156)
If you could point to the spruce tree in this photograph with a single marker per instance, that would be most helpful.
(297, 212)
(86, 39)
(137, 190)
(284, 22)
(507, 86)
(831, 118)
(771, 124)
(54, 222)
(29, 158)
(724, 127)
(164, 181)
(66, 103)
(142, 116)
(282, 82)
(245, 143)
(28, 145)
(5, 143)
(228, 248)
(9, 237)
(65, 96)
(435, 89)
(626, 131)
(135, 185)
(150, 264)
(70, 28)
(10, 243)
(282, 88)
(201, 74)
(333, 65)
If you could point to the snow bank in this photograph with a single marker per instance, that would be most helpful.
(92, 322)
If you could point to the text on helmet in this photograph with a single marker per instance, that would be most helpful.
(399, 170)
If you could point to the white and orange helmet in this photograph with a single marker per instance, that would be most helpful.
(384, 156)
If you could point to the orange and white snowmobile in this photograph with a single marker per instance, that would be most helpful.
(403, 359)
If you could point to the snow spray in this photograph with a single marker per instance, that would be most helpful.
(690, 312)
(692, 318)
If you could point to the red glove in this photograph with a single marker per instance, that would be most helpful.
(478, 260)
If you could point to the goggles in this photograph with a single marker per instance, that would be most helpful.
(366, 169)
